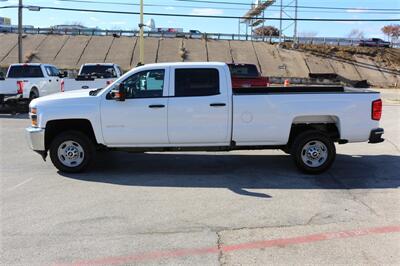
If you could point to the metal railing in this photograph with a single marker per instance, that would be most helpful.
(213, 36)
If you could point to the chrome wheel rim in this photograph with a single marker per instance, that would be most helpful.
(314, 153)
(70, 153)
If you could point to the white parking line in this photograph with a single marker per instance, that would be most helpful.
(20, 184)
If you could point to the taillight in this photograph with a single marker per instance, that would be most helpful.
(376, 110)
(62, 86)
(20, 87)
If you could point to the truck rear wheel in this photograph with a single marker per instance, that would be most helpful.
(33, 94)
(71, 152)
(313, 152)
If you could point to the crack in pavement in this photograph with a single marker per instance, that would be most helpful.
(393, 144)
(348, 190)
(220, 253)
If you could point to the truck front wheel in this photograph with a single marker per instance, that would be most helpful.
(313, 152)
(71, 152)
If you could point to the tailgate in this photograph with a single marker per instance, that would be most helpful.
(8, 86)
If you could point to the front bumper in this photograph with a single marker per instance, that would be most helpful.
(376, 135)
(35, 137)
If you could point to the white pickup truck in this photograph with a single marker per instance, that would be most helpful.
(30, 81)
(193, 107)
(93, 76)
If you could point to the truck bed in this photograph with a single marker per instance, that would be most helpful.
(298, 89)
(272, 111)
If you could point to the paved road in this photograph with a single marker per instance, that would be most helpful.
(201, 208)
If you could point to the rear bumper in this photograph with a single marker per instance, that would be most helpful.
(5, 97)
(376, 135)
(35, 138)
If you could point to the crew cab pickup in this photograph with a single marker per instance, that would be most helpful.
(247, 76)
(192, 107)
(91, 76)
(30, 81)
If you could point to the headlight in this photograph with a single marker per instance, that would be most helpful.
(33, 115)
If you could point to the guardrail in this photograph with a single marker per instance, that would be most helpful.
(214, 36)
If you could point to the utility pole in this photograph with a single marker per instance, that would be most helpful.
(295, 22)
(20, 50)
(141, 37)
(280, 22)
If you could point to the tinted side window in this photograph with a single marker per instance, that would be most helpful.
(48, 71)
(25, 72)
(196, 82)
(55, 71)
(145, 84)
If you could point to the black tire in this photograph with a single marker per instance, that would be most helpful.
(83, 155)
(324, 154)
(33, 94)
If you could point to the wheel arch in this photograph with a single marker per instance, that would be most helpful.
(327, 124)
(35, 89)
(55, 127)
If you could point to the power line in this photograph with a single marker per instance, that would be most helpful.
(306, 7)
(201, 16)
(223, 8)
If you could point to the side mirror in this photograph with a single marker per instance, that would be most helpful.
(1, 76)
(63, 75)
(120, 95)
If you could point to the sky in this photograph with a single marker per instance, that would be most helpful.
(46, 18)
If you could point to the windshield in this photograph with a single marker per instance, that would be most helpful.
(22, 71)
(99, 71)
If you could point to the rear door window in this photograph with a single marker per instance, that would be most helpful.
(196, 82)
(22, 71)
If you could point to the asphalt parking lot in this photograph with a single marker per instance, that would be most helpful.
(247, 207)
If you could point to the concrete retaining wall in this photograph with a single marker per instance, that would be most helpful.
(196, 50)
(30, 44)
(121, 51)
(243, 52)
(151, 47)
(49, 49)
(169, 50)
(369, 70)
(294, 62)
(7, 43)
(219, 51)
(270, 61)
(96, 50)
(69, 52)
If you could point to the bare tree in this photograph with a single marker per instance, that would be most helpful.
(266, 31)
(356, 34)
(392, 31)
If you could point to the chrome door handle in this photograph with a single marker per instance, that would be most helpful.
(217, 104)
(156, 106)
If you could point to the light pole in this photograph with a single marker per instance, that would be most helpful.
(20, 50)
(141, 37)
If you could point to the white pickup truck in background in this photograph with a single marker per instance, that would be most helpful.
(92, 76)
(30, 81)
(193, 107)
